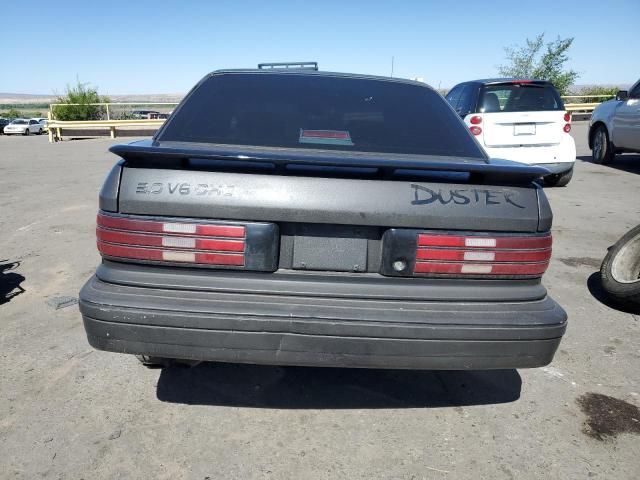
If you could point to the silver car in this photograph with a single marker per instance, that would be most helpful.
(615, 126)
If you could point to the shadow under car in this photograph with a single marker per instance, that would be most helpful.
(259, 386)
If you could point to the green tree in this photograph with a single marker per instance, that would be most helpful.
(12, 113)
(82, 95)
(541, 61)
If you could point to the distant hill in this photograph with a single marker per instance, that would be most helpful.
(26, 98)
(577, 89)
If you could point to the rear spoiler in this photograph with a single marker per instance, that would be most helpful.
(169, 153)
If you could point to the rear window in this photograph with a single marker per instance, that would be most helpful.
(320, 112)
(519, 98)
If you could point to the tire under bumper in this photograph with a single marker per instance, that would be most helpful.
(331, 332)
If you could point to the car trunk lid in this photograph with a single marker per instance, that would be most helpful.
(325, 218)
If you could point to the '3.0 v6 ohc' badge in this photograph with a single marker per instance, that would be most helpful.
(185, 188)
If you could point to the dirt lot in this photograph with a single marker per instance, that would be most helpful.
(67, 411)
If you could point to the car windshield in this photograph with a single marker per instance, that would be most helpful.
(519, 97)
(19, 122)
(320, 112)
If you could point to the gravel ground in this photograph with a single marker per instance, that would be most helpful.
(68, 411)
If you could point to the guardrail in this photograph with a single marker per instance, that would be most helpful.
(56, 127)
(586, 107)
(108, 106)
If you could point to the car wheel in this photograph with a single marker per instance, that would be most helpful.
(40, 132)
(558, 179)
(620, 270)
(154, 362)
(27, 131)
(603, 151)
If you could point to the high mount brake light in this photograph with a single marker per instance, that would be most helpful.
(414, 253)
(195, 243)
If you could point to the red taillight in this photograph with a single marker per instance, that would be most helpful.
(475, 130)
(567, 127)
(567, 117)
(476, 120)
(177, 256)
(481, 268)
(170, 227)
(480, 241)
(479, 255)
(176, 241)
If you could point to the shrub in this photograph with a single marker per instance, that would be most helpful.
(606, 92)
(12, 113)
(82, 95)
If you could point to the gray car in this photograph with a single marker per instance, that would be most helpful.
(311, 218)
(615, 126)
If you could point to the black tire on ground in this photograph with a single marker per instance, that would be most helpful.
(620, 270)
(154, 362)
(40, 132)
(602, 149)
(27, 131)
(559, 179)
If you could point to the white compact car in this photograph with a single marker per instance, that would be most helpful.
(519, 120)
(22, 126)
(615, 126)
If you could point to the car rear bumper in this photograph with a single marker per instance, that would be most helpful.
(563, 154)
(333, 331)
(556, 168)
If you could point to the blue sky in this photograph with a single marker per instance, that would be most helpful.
(167, 46)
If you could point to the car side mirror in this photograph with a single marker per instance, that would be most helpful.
(622, 95)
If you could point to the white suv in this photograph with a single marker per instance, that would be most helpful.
(519, 120)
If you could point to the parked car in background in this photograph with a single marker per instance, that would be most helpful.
(3, 123)
(44, 122)
(310, 218)
(615, 126)
(22, 126)
(521, 120)
(143, 114)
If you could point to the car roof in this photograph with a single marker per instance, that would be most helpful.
(316, 73)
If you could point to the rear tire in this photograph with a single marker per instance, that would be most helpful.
(27, 132)
(602, 149)
(558, 179)
(620, 270)
(40, 132)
